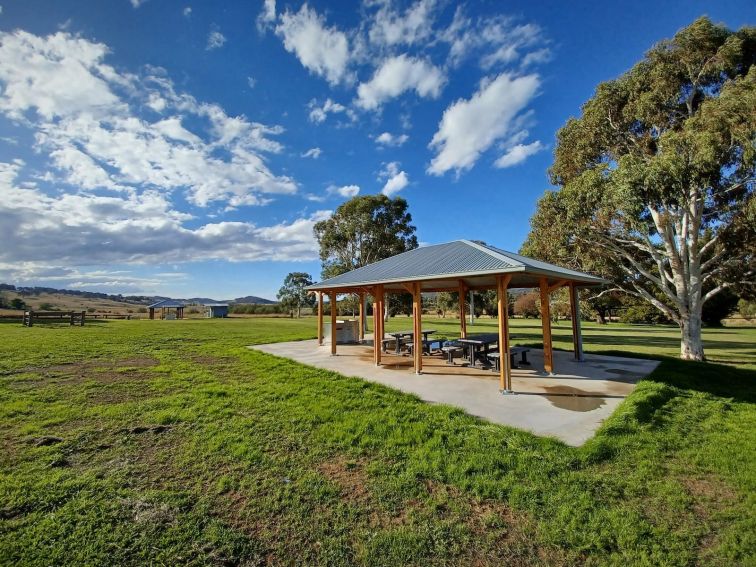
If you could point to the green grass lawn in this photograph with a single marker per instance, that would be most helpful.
(169, 442)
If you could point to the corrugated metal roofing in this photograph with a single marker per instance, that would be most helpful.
(457, 259)
(167, 303)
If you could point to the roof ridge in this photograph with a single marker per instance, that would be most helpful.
(495, 252)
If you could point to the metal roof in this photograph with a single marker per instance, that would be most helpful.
(216, 304)
(167, 303)
(442, 266)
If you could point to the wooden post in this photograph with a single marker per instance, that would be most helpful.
(152, 312)
(417, 314)
(361, 297)
(548, 355)
(505, 362)
(333, 323)
(382, 305)
(71, 315)
(320, 318)
(376, 327)
(577, 332)
(462, 321)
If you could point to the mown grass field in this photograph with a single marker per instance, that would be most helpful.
(170, 442)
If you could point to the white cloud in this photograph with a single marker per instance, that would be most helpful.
(313, 153)
(137, 3)
(390, 27)
(321, 49)
(83, 114)
(83, 229)
(252, 82)
(518, 153)
(172, 128)
(396, 179)
(470, 127)
(389, 139)
(267, 15)
(187, 12)
(398, 75)
(215, 40)
(57, 75)
(319, 114)
(499, 41)
(344, 191)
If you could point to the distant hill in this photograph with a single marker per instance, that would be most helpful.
(75, 299)
(252, 299)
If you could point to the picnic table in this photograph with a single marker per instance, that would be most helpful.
(399, 335)
(479, 342)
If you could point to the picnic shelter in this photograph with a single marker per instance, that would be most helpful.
(458, 266)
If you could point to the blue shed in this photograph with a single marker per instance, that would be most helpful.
(216, 310)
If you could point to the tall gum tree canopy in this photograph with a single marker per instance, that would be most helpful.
(656, 178)
(364, 230)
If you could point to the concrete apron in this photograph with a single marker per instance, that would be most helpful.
(569, 406)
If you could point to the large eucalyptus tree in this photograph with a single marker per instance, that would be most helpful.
(656, 177)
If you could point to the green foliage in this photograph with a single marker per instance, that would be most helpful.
(256, 308)
(136, 442)
(641, 312)
(656, 177)
(46, 307)
(293, 294)
(363, 230)
(17, 303)
(747, 309)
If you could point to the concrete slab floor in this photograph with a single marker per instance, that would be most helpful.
(570, 405)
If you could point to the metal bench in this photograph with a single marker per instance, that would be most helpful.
(452, 350)
(513, 352)
(428, 345)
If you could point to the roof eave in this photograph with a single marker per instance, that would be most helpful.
(584, 281)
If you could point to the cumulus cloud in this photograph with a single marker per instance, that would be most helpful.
(469, 127)
(57, 75)
(187, 12)
(84, 116)
(498, 42)
(88, 229)
(398, 75)
(313, 153)
(518, 154)
(319, 113)
(389, 139)
(215, 40)
(347, 191)
(321, 49)
(391, 27)
(396, 179)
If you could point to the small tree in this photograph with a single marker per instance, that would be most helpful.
(293, 295)
(527, 305)
(17, 303)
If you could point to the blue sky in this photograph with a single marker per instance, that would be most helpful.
(187, 148)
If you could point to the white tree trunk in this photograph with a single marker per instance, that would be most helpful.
(691, 345)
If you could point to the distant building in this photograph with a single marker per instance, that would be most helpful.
(216, 310)
(165, 306)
